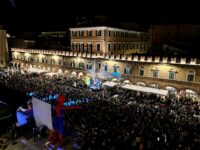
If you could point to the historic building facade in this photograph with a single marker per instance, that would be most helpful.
(109, 40)
(182, 76)
(4, 54)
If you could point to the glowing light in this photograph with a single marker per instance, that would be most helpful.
(27, 54)
(55, 57)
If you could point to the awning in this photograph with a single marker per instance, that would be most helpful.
(50, 74)
(145, 89)
(110, 83)
(35, 70)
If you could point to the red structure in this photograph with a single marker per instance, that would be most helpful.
(59, 125)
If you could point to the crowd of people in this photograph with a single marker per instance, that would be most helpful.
(117, 118)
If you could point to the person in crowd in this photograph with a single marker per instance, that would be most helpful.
(130, 120)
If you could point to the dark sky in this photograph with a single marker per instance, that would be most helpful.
(56, 14)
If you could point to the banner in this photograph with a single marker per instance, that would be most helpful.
(42, 113)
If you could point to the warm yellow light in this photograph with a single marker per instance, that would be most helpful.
(15, 53)
(40, 55)
(55, 57)
(27, 54)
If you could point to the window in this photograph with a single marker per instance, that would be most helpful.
(127, 69)
(141, 71)
(71, 64)
(81, 46)
(99, 65)
(114, 33)
(75, 33)
(90, 47)
(73, 46)
(115, 67)
(76, 46)
(98, 33)
(60, 62)
(65, 63)
(89, 33)
(155, 72)
(125, 72)
(123, 45)
(109, 47)
(1, 62)
(172, 75)
(109, 33)
(81, 65)
(191, 76)
(98, 47)
(81, 33)
(106, 67)
(89, 65)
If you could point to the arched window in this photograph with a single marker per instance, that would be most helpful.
(141, 71)
(172, 74)
(191, 76)
(71, 63)
(155, 72)
(82, 46)
(89, 65)
(127, 69)
(65, 63)
(60, 62)
(105, 67)
(81, 65)
(99, 65)
(115, 68)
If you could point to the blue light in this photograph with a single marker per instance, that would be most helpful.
(21, 118)
(115, 74)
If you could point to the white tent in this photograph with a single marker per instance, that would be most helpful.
(35, 70)
(110, 83)
(145, 89)
(51, 74)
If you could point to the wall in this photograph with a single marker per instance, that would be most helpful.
(4, 55)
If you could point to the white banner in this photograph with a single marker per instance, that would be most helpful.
(42, 113)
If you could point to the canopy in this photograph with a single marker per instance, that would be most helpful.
(110, 83)
(35, 70)
(50, 74)
(145, 89)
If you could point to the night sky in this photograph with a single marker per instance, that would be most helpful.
(59, 14)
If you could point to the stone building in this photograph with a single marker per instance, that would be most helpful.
(181, 76)
(109, 40)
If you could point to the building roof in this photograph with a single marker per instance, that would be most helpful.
(102, 28)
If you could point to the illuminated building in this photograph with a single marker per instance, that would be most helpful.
(109, 40)
(181, 76)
